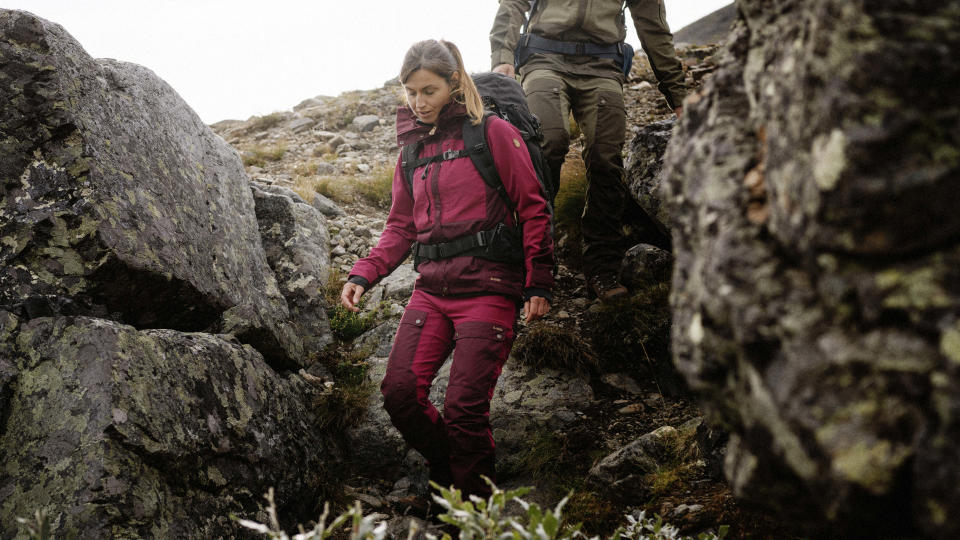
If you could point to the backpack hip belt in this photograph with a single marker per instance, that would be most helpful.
(501, 244)
(530, 43)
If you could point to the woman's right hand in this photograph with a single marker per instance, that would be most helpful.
(350, 295)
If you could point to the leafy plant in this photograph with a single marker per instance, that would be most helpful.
(38, 528)
(361, 527)
(478, 519)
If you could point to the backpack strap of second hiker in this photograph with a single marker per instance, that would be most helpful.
(475, 144)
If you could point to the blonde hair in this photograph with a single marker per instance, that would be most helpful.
(443, 59)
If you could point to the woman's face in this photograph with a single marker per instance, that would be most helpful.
(427, 93)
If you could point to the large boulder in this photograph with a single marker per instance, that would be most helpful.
(116, 201)
(154, 433)
(812, 187)
(297, 245)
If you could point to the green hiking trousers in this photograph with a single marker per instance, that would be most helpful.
(597, 106)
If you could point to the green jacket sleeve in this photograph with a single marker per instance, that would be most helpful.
(650, 19)
(506, 30)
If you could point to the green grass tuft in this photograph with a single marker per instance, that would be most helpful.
(546, 346)
(378, 189)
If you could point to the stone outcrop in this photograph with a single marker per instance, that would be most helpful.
(119, 203)
(812, 187)
(297, 246)
(154, 433)
(145, 332)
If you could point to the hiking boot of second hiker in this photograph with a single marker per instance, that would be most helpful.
(607, 287)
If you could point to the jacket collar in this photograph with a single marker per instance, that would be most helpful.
(410, 130)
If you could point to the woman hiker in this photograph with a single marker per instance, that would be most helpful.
(464, 300)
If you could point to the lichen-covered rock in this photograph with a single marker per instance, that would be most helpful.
(644, 264)
(643, 165)
(624, 473)
(297, 245)
(116, 201)
(812, 186)
(155, 433)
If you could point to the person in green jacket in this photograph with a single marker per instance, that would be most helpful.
(571, 57)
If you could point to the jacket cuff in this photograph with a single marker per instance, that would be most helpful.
(361, 281)
(503, 56)
(534, 291)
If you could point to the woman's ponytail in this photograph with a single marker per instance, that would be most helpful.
(467, 91)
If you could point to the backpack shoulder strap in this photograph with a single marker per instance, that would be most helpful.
(475, 142)
(408, 162)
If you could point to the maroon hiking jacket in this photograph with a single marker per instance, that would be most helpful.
(450, 199)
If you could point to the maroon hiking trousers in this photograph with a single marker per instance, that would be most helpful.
(459, 445)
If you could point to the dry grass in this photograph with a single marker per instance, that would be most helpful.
(377, 189)
(259, 154)
(335, 188)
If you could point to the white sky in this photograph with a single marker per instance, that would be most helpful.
(238, 58)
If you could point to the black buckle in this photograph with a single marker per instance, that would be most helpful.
(581, 48)
(450, 154)
(481, 239)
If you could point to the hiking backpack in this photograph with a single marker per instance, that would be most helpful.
(502, 96)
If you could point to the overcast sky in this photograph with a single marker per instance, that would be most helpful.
(238, 58)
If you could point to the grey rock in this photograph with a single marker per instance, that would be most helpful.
(815, 300)
(378, 340)
(119, 202)
(296, 242)
(643, 264)
(326, 206)
(643, 165)
(622, 381)
(337, 141)
(299, 125)
(326, 169)
(624, 471)
(175, 430)
(399, 284)
(325, 136)
(365, 122)
(279, 190)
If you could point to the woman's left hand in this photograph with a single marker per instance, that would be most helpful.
(535, 307)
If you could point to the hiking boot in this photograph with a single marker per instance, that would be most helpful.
(607, 287)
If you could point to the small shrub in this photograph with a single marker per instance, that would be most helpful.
(305, 168)
(323, 150)
(377, 190)
(343, 405)
(259, 155)
(263, 123)
(544, 345)
(634, 331)
(540, 457)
